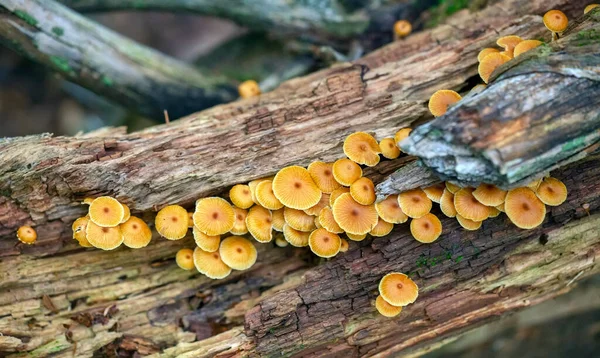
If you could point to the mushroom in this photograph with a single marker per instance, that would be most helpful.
(26, 234)
(336, 194)
(468, 207)
(281, 242)
(315, 210)
(490, 63)
(414, 203)
(353, 217)
(87, 201)
(238, 253)
(486, 51)
(190, 220)
(452, 188)
(494, 212)
(385, 309)
(500, 207)
(552, 192)
(426, 229)
(136, 233)
(363, 191)
(278, 220)
(447, 204)
(298, 219)
(402, 28)
(344, 245)
(294, 187)
(265, 196)
(489, 195)
(241, 196)
(213, 216)
(322, 174)
(210, 264)
(397, 289)
(253, 184)
(382, 228)
(185, 259)
(79, 231)
(239, 222)
(346, 172)
(434, 192)
(207, 243)
(101, 237)
(354, 237)
(318, 223)
(389, 149)
(402, 134)
(441, 100)
(327, 221)
(127, 213)
(259, 222)
(249, 89)
(589, 8)
(106, 211)
(171, 222)
(533, 185)
(294, 237)
(555, 21)
(524, 208)
(525, 46)
(324, 243)
(389, 210)
(362, 148)
(468, 224)
(509, 43)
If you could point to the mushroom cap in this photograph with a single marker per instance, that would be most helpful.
(315, 210)
(500, 207)
(249, 89)
(389, 149)
(318, 223)
(344, 245)
(524, 208)
(440, 100)
(556, 21)
(389, 210)
(26, 234)
(294, 237)
(452, 188)
(385, 309)
(362, 148)
(447, 204)
(105, 238)
(336, 194)
(534, 184)
(298, 219)
(136, 233)
(241, 196)
(552, 192)
(434, 192)
(414, 203)
(79, 231)
(185, 259)
(265, 196)
(509, 43)
(353, 217)
(213, 216)
(127, 213)
(281, 242)
(294, 187)
(190, 220)
(278, 220)
(259, 222)
(87, 201)
(106, 211)
(327, 221)
(485, 52)
(322, 174)
(324, 243)
(346, 172)
(239, 223)
(489, 195)
(402, 134)
(238, 253)
(589, 8)
(363, 191)
(206, 242)
(525, 46)
(494, 212)
(171, 222)
(402, 28)
(210, 264)
(252, 185)
(468, 224)
(490, 63)
(397, 289)
(468, 207)
(354, 237)
(383, 228)
(426, 229)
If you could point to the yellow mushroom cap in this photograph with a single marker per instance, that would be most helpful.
(185, 259)
(106, 211)
(278, 220)
(259, 222)
(327, 221)
(346, 172)
(452, 188)
(389, 210)
(485, 52)
(322, 175)
(294, 187)
(402, 28)
(524, 208)
(344, 245)
(489, 195)
(190, 220)
(440, 100)
(136, 233)
(249, 89)
(525, 46)
(468, 224)
(468, 207)
(509, 43)
(87, 201)
(79, 231)
(253, 184)
(265, 196)
(353, 217)
(426, 229)
(26, 234)
(434, 192)
(385, 309)
(402, 134)
(318, 223)
(336, 194)
(389, 149)
(397, 289)
(494, 212)
(171, 222)
(500, 207)
(556, 21)
(490, 63)
(213, 216)
(362, 148)
(533, 185)
(127, 213)
(589, 8)
(552, 192)
(363, 191)
(294, 237)
(281, 242)
(105, 238)
(210, 264)
(382, 228)
(238, 253)
(315, 210)
(241, 196)
(414, 203)
(447, 204)
(324, 243)
(239, 223)
(206, 242)
(354, 237)
(298, 219)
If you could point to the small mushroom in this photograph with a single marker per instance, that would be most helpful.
(210, 264)
(171, 222)
(346, 172)
(106, 211)
(501, 208)
(241, 196)
(190, 220)
(238, 253)
(278, 220)
(344, 245)
(494, 212)
(88, 201)
(402, 134)
(26, 234)
(434, 192)
(389, 210)
(490, 63)
(336, 194)
(556, 21)
(327, 221)
(363, 191)
(398, 289)
(589, 8)
(385, 309)
(383, 228)
(525, 46)
(136, 233)
(469, 207)
(402, 28)
(207, 243)
(489, 195)
(281, 242)
(447, 204)
(389, 149)
(486, 51)
(452, 188)
(353, 217)
(259, 222)
(362, 148)
(426, 229)
(324, 243)
(524, 208)
(354, 237)
(552, 192)
(79, 231)
(318, 223)
(322, 175)
(533, 185)
(127, 213)
(253, 184)
(213, 216)
(414, 203)
(294, 237)
(295, 188)
(315, 210)
(509, 43)
(265, 196)
(441, 100)
(468, 224)
(248, 89)
(185, 259)
(239, 223)
(105, 238)
(298, 219)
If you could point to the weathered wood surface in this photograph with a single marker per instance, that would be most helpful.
(107, 63)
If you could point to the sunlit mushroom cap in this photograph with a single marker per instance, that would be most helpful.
(265, 196)
(106, 211)
(385, 309)
(346, 172)
(278, 220)
(127, 213)
(259, 222)
(281, 242)
(414, 203)
(249, 89)
(356, 237)
(402, 28)
(328, 222)
(298, 219)
(26, 234)
(389, 149)
(185, 259)
(494, 212)
(468, 207)
(210, 264)
(426, 229)
(322, 175)
(490, 63)
(294, 187)
(452, 188)
(589, 8)
(397, 289)
(485, 52)
(363, 191)
(87, 201)
(524, 208)
(402, 134)
(552, 192)
(324, 243)
(105, 238)
(441, 100)
(556, 21)
(434, 192)
(241, 196)
(525, 46)
(468, 224)
(206, 242)
(79, 231)
(489, 195)
(136, 233)
(294, 237)
(315, 210)
(509, 43)
(238, 253)
(447, 204)
(172, 222)
(382, 228)
(239, 223)
(336, 194)
(362, 148)
(353, 217)
(213, 216)
(389, 210)
(344, 245)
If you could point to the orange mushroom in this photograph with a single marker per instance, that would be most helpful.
(468, 207)
(556, 21)
(336, 194)
(524, 208)
(353, 217)
(278, 220)
(486, 51)
(362, 148)
(136, 233)
(589, 8)
(171, 222)
(389, 149)
(354, 237)
(241, 196)
(402, 28)
(281, 242)
(426, 229)
(79, 231)
(468, 224)
(315, 210)
(434, 192)
(344, 245)
(414, 203)
(385, 309)
(452, 188)
(206, 242)
(324, 243)
(127, 213)
(322, 175)
(213, 216)
(389, 210)
(259, 222)
(26, 234)
(248, 89)
(265, 196)
(441, 100)
(106, 211)
(210, 264)
(383, 228)
(525, 46)
(363, 191)
(490, 63)
(327, 221)
(346, 172)
(238, 253)
(489, 195)
(294, 237)
(105, 238)
(298, 219)
(185, 259)
(509, 43)
(401, 135)
(295, 188)
(447, 204)
(397, 289)
(552, 192)
(494, 212)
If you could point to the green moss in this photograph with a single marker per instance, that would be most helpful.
(61, 63)
(587, 37)
(58, 31)
(445, 8)
(27, 17)
(107, 81)
(574, 144)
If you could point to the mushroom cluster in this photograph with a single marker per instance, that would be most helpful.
(396, 290)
